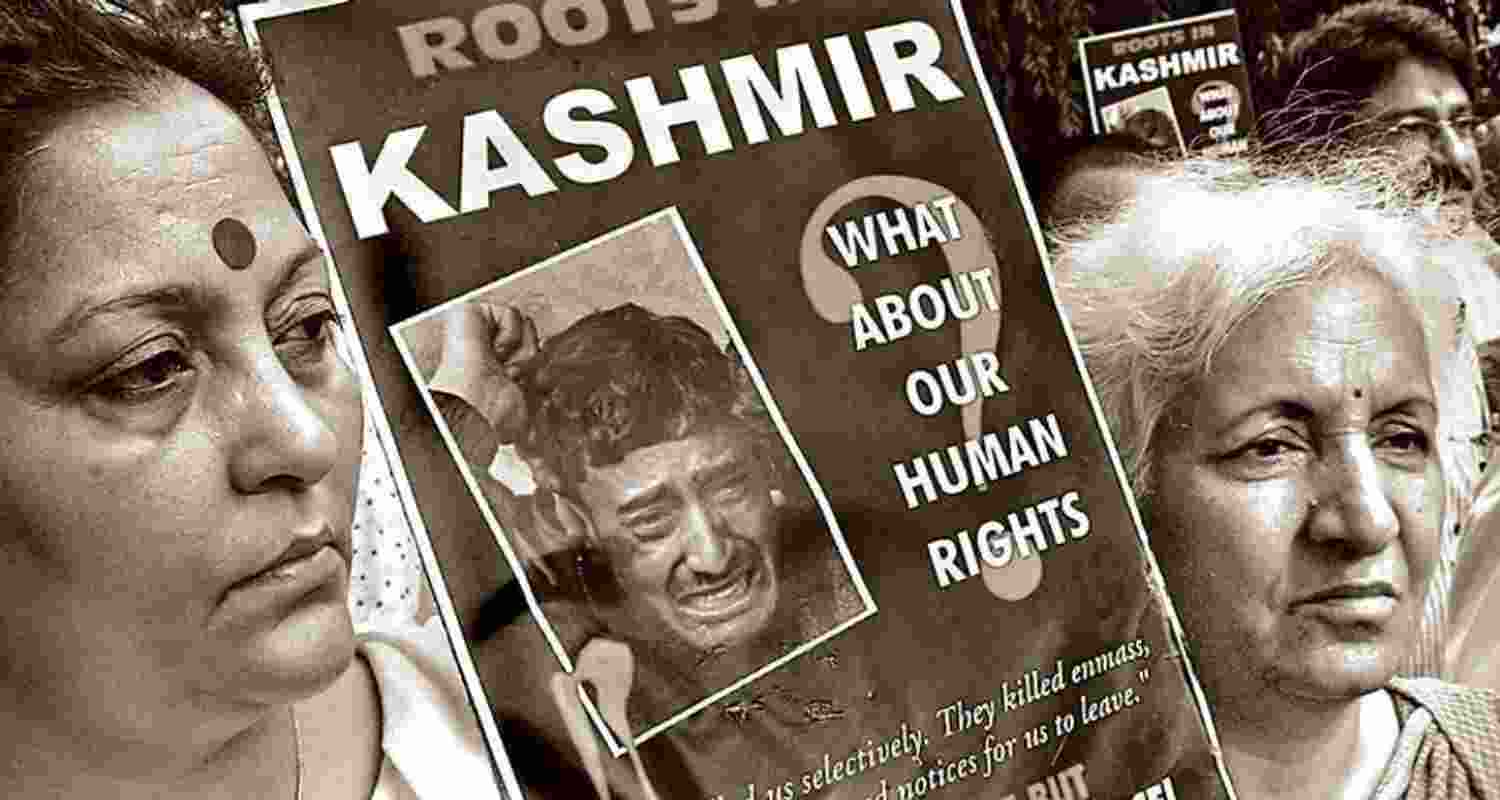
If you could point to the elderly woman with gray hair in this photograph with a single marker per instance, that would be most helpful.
(1284, 363)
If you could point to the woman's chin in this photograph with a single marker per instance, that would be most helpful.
(1340, 673)
(300, 657)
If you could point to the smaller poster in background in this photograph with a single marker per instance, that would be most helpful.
(1182, 82)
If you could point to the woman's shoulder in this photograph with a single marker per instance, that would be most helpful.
(429, 733)
(1462, 706)
(1462, 737)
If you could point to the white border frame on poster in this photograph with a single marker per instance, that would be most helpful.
(518, 568)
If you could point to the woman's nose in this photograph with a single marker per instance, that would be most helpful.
(284, 435)
(1351, 506)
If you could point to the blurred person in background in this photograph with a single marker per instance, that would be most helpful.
(1388, 74)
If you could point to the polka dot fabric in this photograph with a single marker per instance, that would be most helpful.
(386, 582)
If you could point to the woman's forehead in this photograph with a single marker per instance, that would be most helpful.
(108, 139)
(139, 192)
(1351, 334)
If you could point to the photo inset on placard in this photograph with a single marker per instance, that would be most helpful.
(671, 543)
(1148, 116)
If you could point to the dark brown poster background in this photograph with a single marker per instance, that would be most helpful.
(342, 77)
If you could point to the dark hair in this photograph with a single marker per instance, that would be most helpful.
(1117, 150)
(59, 57)
(626, 378)
(1328, 70)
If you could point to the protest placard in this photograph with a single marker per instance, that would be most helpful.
(925, 577)
(1181, 83)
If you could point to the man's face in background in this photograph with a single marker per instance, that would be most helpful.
(1421, 109)
(690, 530)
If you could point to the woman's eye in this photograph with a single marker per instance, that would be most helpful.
(1406, 440)
(310, 336)
(148, 378)
(1264, 457)
(1266, 449)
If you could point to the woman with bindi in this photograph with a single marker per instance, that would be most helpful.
(1286, 397)
(179, 447)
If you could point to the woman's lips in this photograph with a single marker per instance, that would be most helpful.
(308, 565)
(1351, 603)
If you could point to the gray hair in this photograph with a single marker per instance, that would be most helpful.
(1154, 291)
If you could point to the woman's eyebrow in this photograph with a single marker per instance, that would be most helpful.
(310, 255)
(174, 296)
(1416, 405)
(1275, 409)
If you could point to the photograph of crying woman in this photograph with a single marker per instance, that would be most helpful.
(181, 438)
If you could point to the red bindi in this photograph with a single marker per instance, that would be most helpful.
(234, 243)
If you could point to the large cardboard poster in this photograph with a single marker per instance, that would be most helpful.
(1178, 84)
(957, 597)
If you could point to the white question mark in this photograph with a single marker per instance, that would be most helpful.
(610, 667)
(833, 293)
